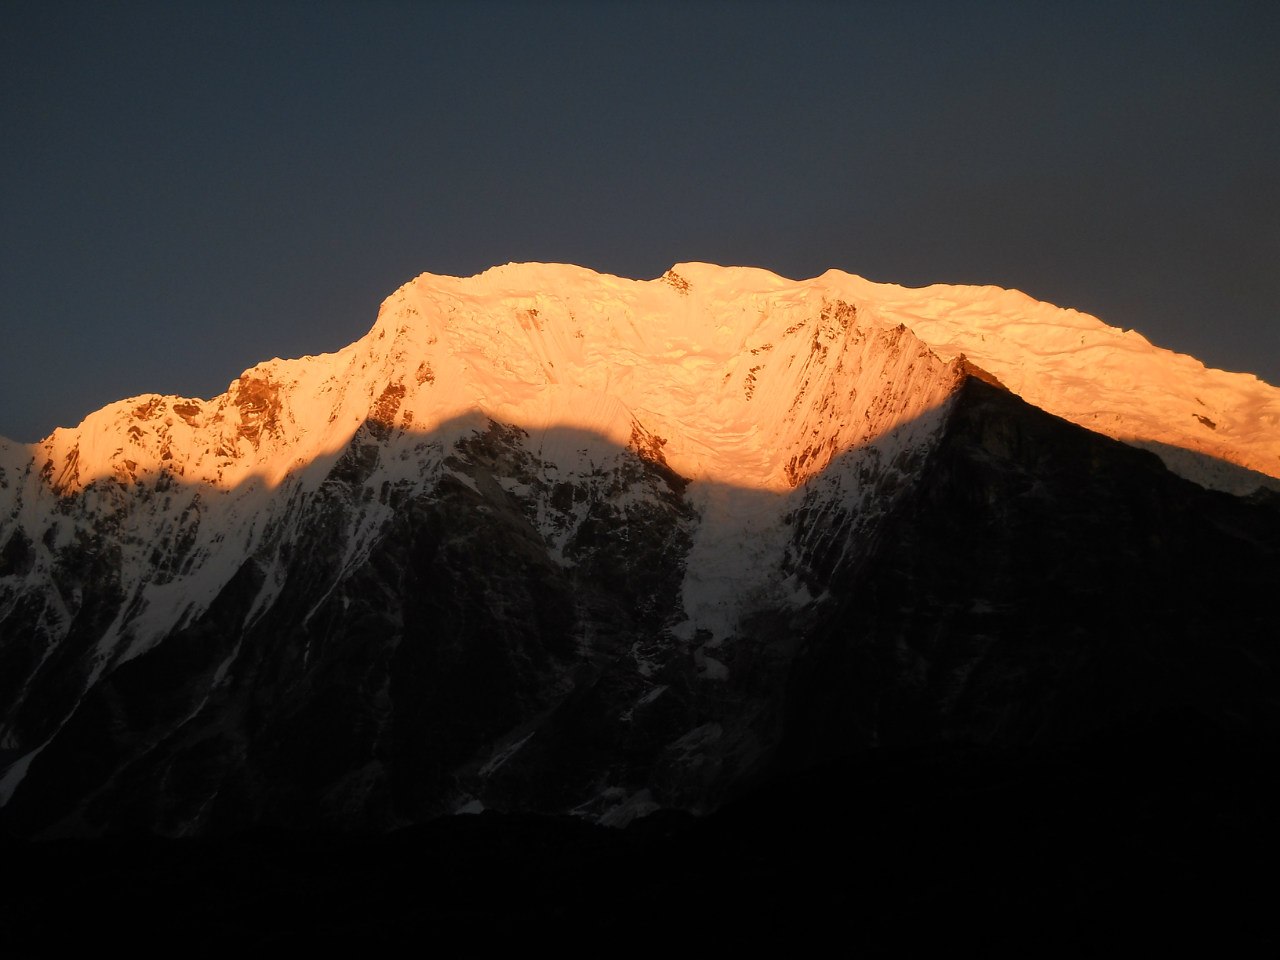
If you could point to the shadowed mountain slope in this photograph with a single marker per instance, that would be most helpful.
(553, 542)
(1026, 583)
(1043, 584)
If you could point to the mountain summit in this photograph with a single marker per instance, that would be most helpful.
(542, 344)
(554, 541)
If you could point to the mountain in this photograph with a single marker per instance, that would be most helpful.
(553, 542)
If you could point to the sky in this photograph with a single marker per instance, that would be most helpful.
(187, 189)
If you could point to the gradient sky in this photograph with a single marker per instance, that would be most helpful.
(190, 188)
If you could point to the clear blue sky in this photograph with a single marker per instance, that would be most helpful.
(189, 188)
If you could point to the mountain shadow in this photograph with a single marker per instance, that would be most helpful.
(515, 637)
(1044, 585)
(1212, 471)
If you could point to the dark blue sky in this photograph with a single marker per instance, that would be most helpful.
(189, 188)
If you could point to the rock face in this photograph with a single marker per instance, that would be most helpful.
(552, 542)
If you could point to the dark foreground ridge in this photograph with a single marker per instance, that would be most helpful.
(1143, 841)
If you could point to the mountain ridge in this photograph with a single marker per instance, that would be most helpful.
(1110, 381)
(476, 560)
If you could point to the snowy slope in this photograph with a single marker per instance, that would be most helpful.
(735, 376)
(1106, 379)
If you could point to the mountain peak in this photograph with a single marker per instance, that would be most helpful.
(543, 492)
(699, 317)
(715, 357)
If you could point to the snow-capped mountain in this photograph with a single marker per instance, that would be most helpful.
(545, 539)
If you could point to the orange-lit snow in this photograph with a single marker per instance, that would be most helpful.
(713, 360)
